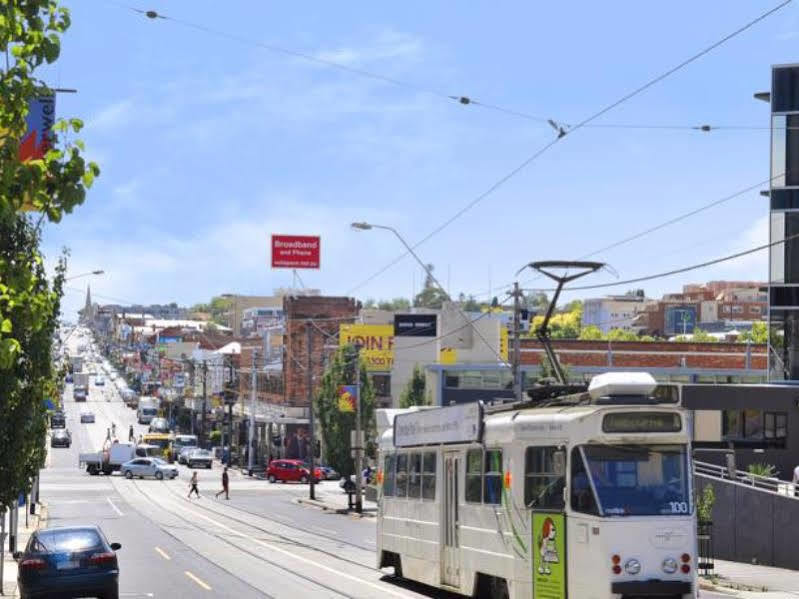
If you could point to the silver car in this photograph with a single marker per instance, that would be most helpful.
(199, 457)
(155, 467)
(183, 454)
(86, 417)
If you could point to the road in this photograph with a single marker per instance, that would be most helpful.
(260, 543)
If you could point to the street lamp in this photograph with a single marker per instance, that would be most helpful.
(85, 274)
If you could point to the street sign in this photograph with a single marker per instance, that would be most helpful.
(296, 251)
(414, 325)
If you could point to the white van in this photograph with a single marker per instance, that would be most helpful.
(148, 409)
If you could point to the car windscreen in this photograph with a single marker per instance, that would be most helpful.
(637, 480)
(66, 541)
(149, 411)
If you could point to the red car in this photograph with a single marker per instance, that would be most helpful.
(290, 470)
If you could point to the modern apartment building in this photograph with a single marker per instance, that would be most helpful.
(784, 216)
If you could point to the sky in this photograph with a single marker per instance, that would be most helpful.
(209, 140)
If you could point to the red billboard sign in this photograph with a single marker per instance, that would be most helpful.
(296, 251)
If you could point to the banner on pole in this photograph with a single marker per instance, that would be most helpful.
(347, 396)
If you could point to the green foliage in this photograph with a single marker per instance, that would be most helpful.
(622, 335)
(759, 469)
(215, 436)
(395, 305)
(548, 372)
(704, 504)
(219, 308)
(430, 296)
(52, 186)
(334, 424)
(414, 392)
(562, 325)
(591, 333)
(758, 334)
(702, 336)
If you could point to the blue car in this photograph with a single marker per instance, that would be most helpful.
(75, 561)
(68, 379)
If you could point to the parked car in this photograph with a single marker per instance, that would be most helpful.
(290, 470)
(86, 417)
(155, 467)
(60, 438)
(99, 381)
(158, 425)
(75, 561)
(68, 378)
(199, 457)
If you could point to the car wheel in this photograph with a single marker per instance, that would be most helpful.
(111, 594)
(303, 479)
(272, 478)
(128, 474)
(159, 475)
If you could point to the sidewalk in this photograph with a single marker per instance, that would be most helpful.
(335, 500)
(748, 580)
(9, 582)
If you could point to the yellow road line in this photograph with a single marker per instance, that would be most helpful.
(163, 553)
(197, 580)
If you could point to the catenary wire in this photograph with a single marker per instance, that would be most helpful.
(677, 270)
(563, 133)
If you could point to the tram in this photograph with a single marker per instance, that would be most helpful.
(586, 496)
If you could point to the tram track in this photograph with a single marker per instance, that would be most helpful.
(225, 540)
(285, 538)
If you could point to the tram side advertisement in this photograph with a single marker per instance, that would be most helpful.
(549, 555)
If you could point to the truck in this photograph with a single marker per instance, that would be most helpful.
(75, 364)
(148, 409)
(110, 458)
(80, 388)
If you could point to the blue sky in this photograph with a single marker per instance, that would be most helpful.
(208, 145)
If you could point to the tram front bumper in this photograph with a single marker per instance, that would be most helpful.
(651, 588)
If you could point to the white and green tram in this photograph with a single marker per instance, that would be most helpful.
(587, 496)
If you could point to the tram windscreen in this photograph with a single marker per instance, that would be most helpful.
(638, 480)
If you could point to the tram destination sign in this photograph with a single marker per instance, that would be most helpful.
(453, 424)
(642, 422)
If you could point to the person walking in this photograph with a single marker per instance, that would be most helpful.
(131, 435)
(225, 483)
(193, 485)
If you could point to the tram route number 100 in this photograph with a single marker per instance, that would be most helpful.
(678, 507)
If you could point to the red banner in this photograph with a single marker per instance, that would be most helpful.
(296, 251)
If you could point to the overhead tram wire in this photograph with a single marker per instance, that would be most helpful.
(652, 229)
(460, 99)
(676, 271)
(563, 133)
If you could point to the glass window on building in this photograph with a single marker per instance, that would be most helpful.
(785, 89)
(382, 384)
(778, 139)
(751, 427)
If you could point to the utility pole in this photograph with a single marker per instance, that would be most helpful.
(358, 434)
(309, 390)
(230, 412)
(251, 435)
(205, 399)
(517, 352)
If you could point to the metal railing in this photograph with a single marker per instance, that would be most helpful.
(764, 483)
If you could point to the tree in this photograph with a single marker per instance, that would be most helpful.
(395, 305)
(414, 392)
(758, 334)
(622, 335)
(336, 425)
(562, 325)
(430, 296)
(49, 181)
(591, 333)
(701, 336)
(547, 371)
(369, 303)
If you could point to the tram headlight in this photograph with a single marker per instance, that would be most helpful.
(632, 566)
(669, 565)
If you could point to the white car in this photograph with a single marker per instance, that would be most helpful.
(99, 381)
(142, 467)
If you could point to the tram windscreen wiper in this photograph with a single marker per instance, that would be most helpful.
(639, 480)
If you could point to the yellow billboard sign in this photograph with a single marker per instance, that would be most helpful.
(376, 341)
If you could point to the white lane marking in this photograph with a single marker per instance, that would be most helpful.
(197, 580)
(116, 509)
(383, 589)
(163, 553)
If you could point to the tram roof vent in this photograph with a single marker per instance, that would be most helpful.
(622, 385)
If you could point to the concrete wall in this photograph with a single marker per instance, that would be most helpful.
(753, 526)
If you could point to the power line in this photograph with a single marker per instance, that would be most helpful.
(563, 133)
(678, 270)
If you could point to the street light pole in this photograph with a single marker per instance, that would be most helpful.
(84, 274)
(205, 398)
(358, 434)
(309, 390)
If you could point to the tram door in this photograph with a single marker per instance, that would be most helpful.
(450, 558)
